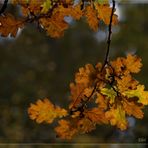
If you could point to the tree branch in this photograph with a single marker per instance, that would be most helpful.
(106, 60)
(4, 6)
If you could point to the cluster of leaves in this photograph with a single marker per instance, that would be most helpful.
(50, 15)
(100, 95)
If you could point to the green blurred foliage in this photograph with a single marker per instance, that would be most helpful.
(34, 66)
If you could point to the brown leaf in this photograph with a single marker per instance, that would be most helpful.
(9, 25)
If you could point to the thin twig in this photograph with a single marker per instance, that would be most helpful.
(106, 60)
(4, 6)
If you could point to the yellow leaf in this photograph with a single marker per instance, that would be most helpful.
(139, 93)
(45, 111)
(110, 93)
(46, 6)
(116, 116)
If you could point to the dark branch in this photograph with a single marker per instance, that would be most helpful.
(106, 60)
(4, 6)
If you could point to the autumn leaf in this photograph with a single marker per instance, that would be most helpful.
(85, 125)
(45, 111)
(85, 75)
(139, 93)
(102, 2)
(131, 108)
(65, 130)
(116, 116)
(118, 65)
(133, 63)
(126, 82)
(46, 6)
(92, 19)
(101, 101)
(9, 25)
(110, 93)
(104, 13)
(96, 115)
(54, 26)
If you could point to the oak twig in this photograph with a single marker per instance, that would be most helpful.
(106, 60)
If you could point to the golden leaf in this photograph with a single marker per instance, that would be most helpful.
(132, 109)
(65, 130)
(139, 93)
(101, 101)
(92, 19)
(54, 26)
(133, 63)
(116, 116)
(46, 6)
(96, 115)
(126, 82)
(85, 125)
(104, 13)
(45, 111)
(110, 93)
(85, 75)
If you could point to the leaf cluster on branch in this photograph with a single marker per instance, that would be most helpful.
(98, 96)
(50, 15)
(102, 94)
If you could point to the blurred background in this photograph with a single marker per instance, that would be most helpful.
(34, 66)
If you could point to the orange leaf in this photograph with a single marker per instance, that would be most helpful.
(92, 19)
(133, 109)
(9, 25)
(116, 116)
(45, 111)
(65, 130)
(133, 63)
(104, 13)
(96, 115)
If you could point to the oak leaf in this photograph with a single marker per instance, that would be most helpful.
(65, 130)
(131, 108)
(45, 111)
(133, 63)
(116, 116)
(126, 82)
(139, 93)
(96, 115)
(110, 93)
(46, 6)
(85, 125)
(92, 19)
(101, 101)
(104, 13)
(9, 25)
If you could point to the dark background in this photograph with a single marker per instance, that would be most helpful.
(34, 66)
